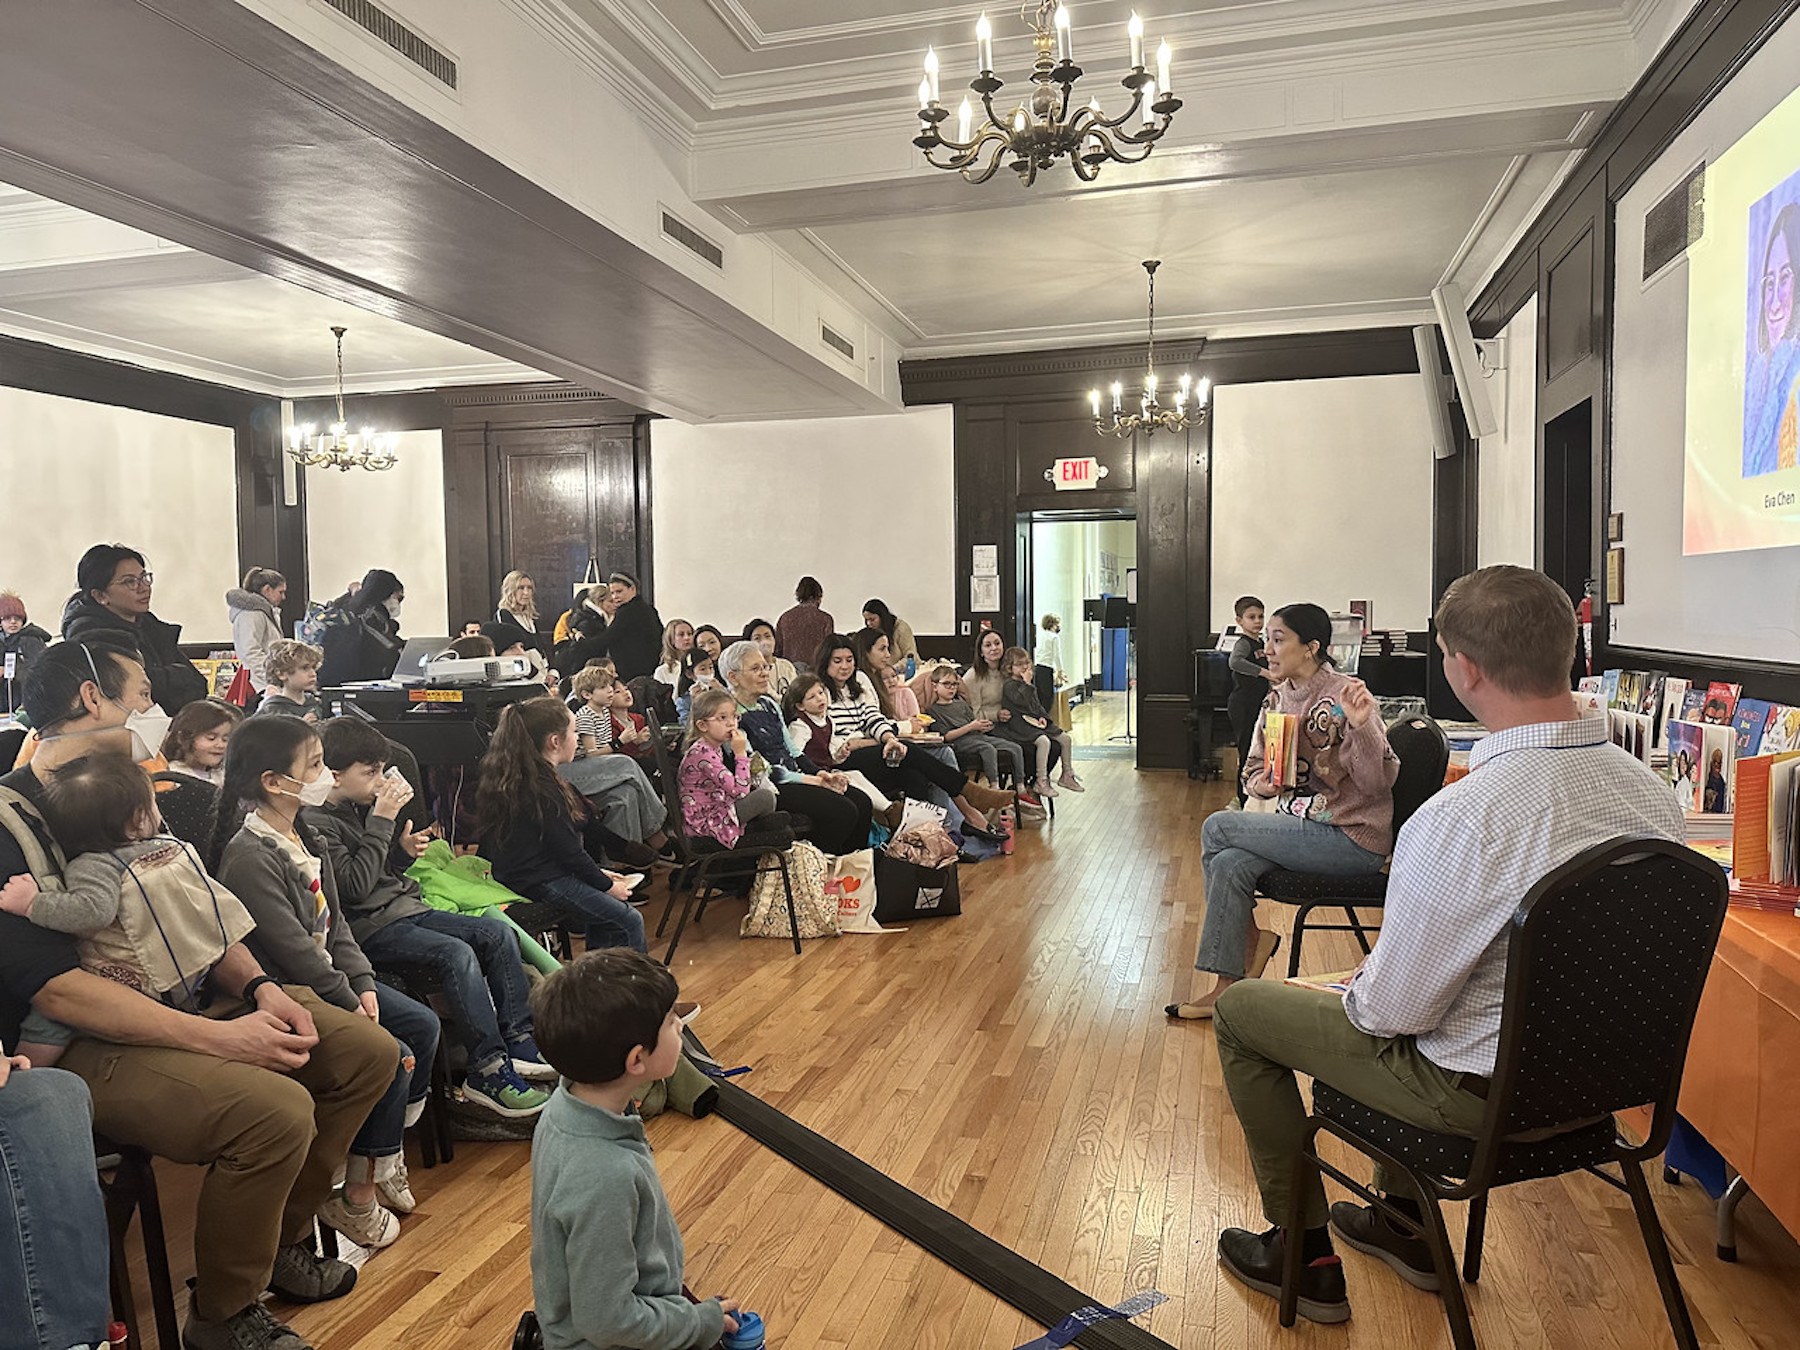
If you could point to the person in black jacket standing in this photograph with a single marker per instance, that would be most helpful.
(112, 605)
(21, 643)
(367, 647)
(633, 639)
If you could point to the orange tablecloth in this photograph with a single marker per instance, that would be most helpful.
(1742, 1085)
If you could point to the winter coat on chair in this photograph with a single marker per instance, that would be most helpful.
(254, 625)
(174, 682)
(21, 649)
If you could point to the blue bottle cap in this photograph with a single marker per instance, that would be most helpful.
(748, 1336)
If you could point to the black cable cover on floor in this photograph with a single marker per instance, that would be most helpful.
(1030, 1288)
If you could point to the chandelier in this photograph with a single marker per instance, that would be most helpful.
(337, 447)
(1041, 130)
(1151, 416)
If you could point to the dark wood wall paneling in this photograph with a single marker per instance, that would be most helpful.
(1017, 412)
(1567, 259)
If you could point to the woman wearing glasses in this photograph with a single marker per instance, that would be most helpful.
(113, 606)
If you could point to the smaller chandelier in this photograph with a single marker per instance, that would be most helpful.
(1041, 130)
(337, 447)
(1151, 416)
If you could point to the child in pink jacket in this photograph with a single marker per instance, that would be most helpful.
(717, 796)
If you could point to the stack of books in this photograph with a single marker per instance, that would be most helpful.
(1765, 837)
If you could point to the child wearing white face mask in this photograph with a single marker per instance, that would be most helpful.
(273, 767)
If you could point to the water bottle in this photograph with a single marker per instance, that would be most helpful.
(748, 1336)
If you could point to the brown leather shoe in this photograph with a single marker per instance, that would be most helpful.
(986, 799)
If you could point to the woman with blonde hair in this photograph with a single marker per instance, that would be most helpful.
(677, 642)
(518, 608)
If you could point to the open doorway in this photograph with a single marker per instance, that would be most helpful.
(1078, 560)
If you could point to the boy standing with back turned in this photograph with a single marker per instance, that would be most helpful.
(606, 1257)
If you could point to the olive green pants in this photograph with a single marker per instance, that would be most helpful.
(1267, 1033)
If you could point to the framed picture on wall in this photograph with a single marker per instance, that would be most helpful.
(1615, 528)
(1615, 576)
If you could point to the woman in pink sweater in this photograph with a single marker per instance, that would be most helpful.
(1336, 817)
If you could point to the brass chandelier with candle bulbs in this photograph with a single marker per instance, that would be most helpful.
(1041, 130)
(338, 447)
(1150, 416)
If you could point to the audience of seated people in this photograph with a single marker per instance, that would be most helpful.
(295, 906)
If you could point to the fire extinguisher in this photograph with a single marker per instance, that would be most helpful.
(1585, 613)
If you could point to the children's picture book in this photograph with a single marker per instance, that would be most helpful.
(1782, 731)
(1748, 722)
(1631, 689)
(1631, 732)
(1691, 704)
(1336, 983)
(1718, 756)
(1650, 696)
(1675, 691)
(1609, 686)
(1281, 748)
(1686, 746)
(1588, 684)
(1721, 703)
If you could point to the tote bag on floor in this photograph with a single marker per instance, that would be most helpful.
(816, 912)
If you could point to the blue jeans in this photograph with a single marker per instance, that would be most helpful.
(610, 922)
(53, 1252)
(476, 961)
(416, 1028)
(1237, 847)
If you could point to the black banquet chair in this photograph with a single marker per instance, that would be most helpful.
(1606, 960)
(1424, 756)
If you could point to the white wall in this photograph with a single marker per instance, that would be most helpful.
(1322, 492)
(81, 473)
(1507, 531)
(741, 511)
(393, 519)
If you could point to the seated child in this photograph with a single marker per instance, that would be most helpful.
(1030, 725)
(804, 708)
(901, 699)
(717, 797)
(196, 742)
(606, 1256)
(968, 736)
(475, 959)
(293, 681)
(698, 672)
(593, 705)
(630, 733)
(147, 914)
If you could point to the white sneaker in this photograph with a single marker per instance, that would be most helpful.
(394, 1190)
(373, 1227)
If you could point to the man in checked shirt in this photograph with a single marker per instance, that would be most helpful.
(1417, 1032)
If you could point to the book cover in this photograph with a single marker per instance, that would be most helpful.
(1609, 686)
(1650, 696)
(1691, 704)
(1782, 731)
(1280, 748)
(1630, 731)
(1748, 723)
(1675, 692)
(1631, 687)
(1721, 703)
(1718, 757)
(1588, 684)
(1686, 744)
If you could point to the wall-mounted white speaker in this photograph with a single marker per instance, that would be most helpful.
(1465, 361)
(1437, 390)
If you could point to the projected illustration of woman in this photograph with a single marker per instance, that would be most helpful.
(1772, 368)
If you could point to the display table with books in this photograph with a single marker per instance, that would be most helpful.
(1740, 1090)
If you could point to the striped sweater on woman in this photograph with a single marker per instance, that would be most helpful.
(859, 714)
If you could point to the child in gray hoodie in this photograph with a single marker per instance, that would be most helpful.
(606, 1257)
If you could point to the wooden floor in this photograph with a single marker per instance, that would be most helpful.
(1097, 717)
(1014, 1066)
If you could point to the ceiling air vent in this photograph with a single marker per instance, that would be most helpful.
(1675, 224)
(836, 340)
(374, 19)
(693, 241)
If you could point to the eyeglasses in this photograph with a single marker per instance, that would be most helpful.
(142, 582)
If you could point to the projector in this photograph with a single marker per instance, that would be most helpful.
(451, 670)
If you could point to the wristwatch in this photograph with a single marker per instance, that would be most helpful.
(250, 988)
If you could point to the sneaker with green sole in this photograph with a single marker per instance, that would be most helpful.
(503, 1092)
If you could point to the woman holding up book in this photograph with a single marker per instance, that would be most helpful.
(1320, 754)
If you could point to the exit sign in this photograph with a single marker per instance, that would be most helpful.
(1076, 475)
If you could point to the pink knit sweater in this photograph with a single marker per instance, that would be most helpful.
(710, 792)
(1344, 774)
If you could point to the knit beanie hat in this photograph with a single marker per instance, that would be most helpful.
(11, 607)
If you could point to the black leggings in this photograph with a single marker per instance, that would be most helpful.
(840, 820)
(913, 776)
